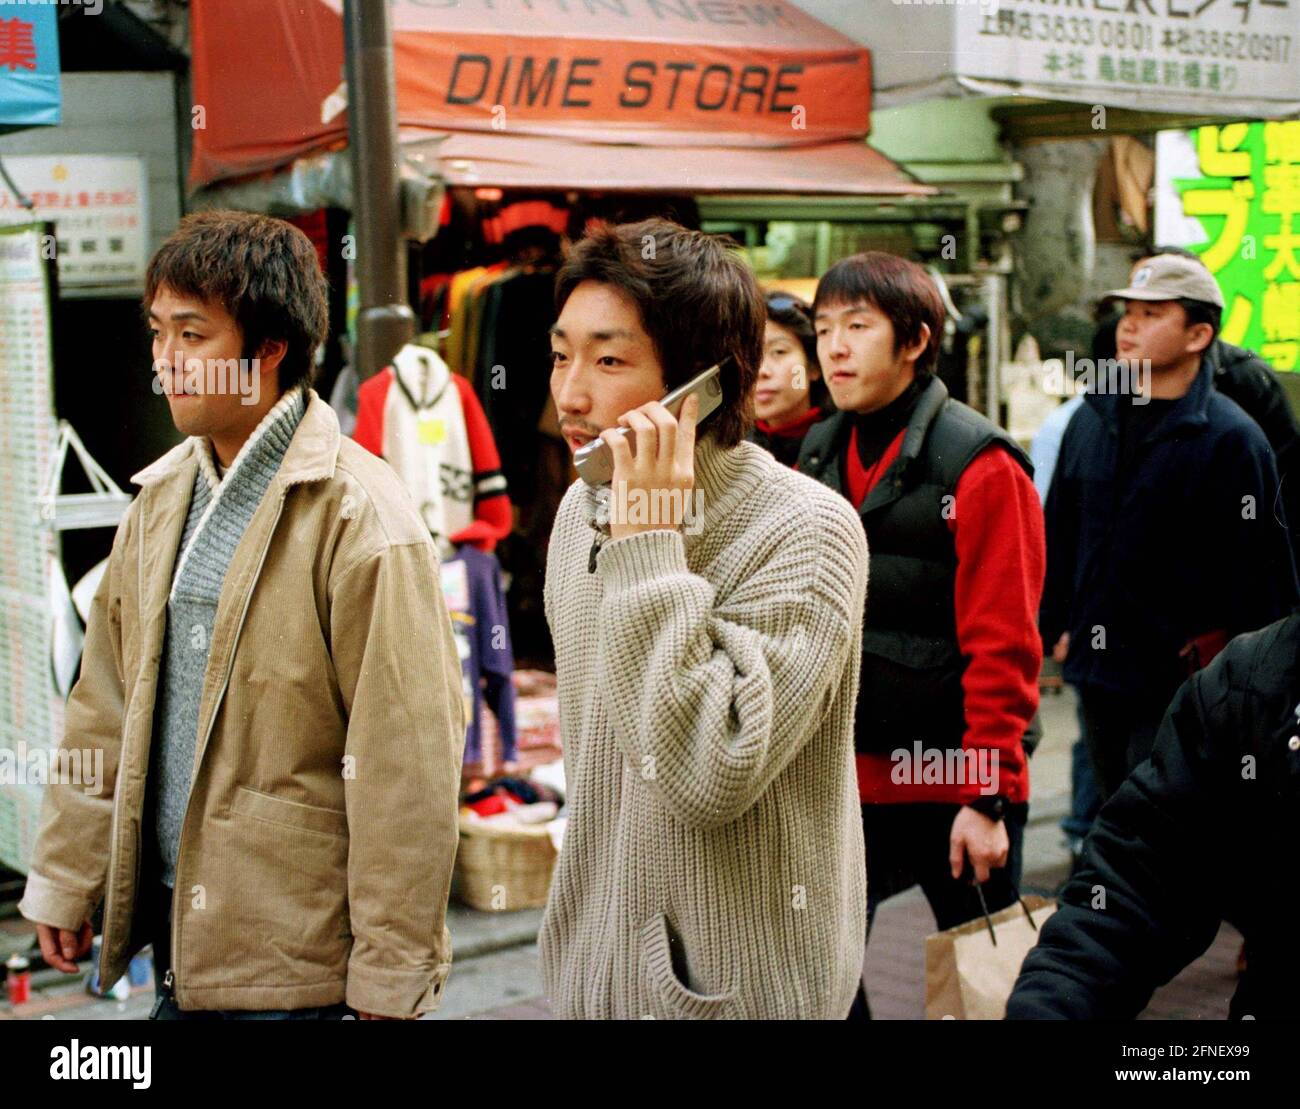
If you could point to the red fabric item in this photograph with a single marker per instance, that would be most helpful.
(489, 806)
(858, 481)
(796, 430)
(372, 395)
(997, 526)
(315, 227)
(524, 213)
(492, 517)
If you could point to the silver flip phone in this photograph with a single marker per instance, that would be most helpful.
(594, 463)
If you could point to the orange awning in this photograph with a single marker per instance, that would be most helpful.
(713, 75)
(838, 168)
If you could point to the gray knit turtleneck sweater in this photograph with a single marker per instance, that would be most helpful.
(713, 861)
(220, 511)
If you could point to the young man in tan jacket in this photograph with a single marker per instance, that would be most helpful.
(707, 616)
(270, 673)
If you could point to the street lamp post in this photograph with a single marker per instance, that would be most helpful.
(385, 321)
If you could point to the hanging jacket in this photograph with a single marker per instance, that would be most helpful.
(428, 425)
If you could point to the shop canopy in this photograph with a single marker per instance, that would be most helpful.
(29, 66)
(654, 95)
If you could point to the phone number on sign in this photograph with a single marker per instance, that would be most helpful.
(1075, 30)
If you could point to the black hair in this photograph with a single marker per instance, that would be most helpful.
(1202, 311)
(899, 288)
(263, 271)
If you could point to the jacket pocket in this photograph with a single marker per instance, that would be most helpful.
(286, 922)
(676, 1000)
(289, 814)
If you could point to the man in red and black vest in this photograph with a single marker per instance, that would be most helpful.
(951, 650)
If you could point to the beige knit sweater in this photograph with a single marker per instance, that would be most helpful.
(713, 862)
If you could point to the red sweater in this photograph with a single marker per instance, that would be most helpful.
(492, 517)
(997, 527)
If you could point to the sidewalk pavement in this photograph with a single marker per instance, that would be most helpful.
(496, 974)
(475, 936)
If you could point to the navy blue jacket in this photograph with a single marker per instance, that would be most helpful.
(1192, 539)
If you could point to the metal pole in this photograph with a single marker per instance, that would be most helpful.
(385, 321)
(993, 291)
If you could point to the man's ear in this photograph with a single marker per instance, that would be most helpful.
(270, 354)
(913, 351)
(1199, 338)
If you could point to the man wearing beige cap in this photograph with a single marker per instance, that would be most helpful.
(1245, 377)
(1165, 534)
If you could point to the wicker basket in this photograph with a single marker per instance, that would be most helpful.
(499, 869)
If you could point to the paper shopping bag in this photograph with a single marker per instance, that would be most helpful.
(971, 969)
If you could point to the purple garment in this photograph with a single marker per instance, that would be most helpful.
(471, 583)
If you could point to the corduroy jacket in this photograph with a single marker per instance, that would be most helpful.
(317, 847)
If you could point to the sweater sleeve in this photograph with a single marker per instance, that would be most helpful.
(711, 697)
(997, 527)
(492, 518)
(372, 395)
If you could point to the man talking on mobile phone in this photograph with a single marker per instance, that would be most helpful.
(706, 608)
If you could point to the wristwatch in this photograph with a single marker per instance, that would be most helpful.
(995, 808)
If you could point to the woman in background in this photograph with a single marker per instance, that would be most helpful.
(790, 395)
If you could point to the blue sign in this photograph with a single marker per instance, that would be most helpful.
(29, 65)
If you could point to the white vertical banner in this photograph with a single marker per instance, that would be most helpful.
(30, 709)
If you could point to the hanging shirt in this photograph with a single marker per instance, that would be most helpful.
(471, 585)
(426, 423)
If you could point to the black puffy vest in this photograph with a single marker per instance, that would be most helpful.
(912, 668)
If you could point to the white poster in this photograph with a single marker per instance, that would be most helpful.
(1213, 56)
(97, 204)
(30, 710)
